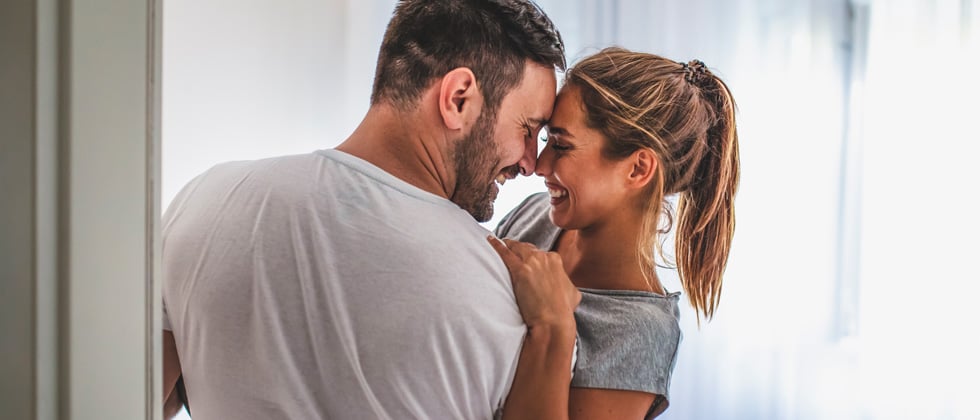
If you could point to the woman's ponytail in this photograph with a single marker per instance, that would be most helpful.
(706, 209)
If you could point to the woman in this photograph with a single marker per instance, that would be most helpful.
(628, 130)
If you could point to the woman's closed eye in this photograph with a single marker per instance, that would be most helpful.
(555, 144)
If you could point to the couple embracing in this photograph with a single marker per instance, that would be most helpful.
(356, 283)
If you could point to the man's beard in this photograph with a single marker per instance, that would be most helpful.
(476, 159)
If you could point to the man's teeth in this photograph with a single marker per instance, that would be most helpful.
(501, 179)
(555, 193)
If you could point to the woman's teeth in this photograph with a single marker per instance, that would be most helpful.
(556, 193)
(501, 179)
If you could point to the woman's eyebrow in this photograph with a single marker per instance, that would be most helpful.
(559, 131)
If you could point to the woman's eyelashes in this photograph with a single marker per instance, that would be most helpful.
(555, 144)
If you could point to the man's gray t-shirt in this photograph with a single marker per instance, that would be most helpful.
(318, 286)
(627, 340)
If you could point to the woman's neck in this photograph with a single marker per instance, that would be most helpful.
(605, 257)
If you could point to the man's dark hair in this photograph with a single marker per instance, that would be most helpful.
(428, 38)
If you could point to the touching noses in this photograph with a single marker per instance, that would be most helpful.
(528, 161)
(543, 166)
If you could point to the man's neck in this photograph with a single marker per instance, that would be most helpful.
(400, 143)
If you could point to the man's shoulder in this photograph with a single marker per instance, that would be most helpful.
(257, 167)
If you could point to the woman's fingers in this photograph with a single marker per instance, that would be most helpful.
(511, 260)
(543, 291)
(513, 252)
(522, 249)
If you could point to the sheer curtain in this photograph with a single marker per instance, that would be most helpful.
(850, 288)
(919, 227)
(850, 285)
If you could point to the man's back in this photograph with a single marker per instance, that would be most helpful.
(319, 286)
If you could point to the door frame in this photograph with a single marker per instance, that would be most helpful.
(80, 306)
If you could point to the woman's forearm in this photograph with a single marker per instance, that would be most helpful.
(540, 389)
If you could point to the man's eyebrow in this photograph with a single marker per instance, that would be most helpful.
(540, 122)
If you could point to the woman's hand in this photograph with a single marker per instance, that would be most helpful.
(547, 300)
(545, 295)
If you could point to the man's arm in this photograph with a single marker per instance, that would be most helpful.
(171, 371)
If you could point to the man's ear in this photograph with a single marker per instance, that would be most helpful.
(460, 100)
(644, 165)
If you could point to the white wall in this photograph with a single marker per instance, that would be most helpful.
(252, 79)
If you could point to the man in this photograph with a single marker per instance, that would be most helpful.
(354, 283)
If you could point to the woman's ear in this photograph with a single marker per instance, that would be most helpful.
(460, 100)
(644, 167)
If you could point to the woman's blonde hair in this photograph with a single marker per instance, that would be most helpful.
(686, 116)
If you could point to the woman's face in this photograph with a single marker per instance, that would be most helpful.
(586, 188)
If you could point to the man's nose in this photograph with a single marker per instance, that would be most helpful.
(543, 165)
(529, 160)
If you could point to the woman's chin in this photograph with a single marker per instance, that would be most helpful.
(558, 218)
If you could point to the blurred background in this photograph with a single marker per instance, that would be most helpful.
(851, 287)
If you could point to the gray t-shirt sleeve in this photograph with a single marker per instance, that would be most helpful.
(529, 222)
(629, 340)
